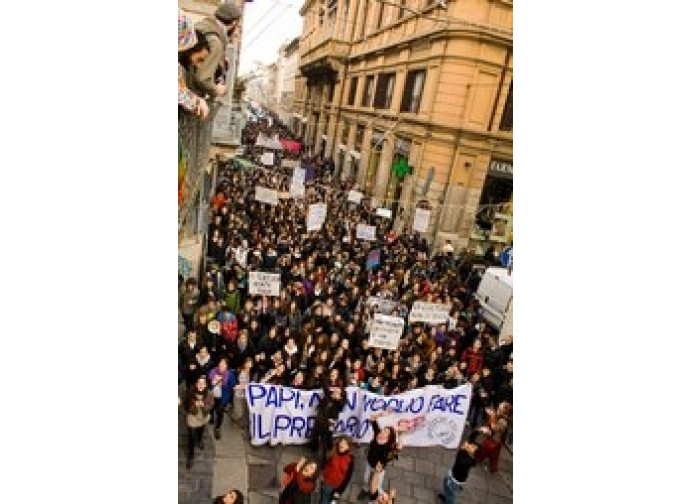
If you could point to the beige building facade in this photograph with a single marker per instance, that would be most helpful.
(413, 83)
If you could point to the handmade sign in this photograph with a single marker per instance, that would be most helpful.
(267, 159)
(355, 196)
(264, 284)
(421, 220)
(384, 212)
(266, 195)
(431, 416)
(316, 216)
(386, 331)
(365, 232)
(431, 313)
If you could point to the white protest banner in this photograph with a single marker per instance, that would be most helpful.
(386, 331)
(431, 313)
(316, 216)
(365, 232)
(264, 284)
(430, 416)
(421, 220)
(266, 195)
(290, 163)
(355, 196)
(267, 158)
(384, 212)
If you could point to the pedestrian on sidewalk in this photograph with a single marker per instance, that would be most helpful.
(189, 302)
(454, 481)
(299, 482)
(223, 382)
(199, 404)
(230, 497)
(383, 448)
(337, 471)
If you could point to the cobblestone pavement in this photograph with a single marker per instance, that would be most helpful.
(194, 485)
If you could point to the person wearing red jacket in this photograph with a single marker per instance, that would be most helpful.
(299, 482)
(473, 357)
(337, 471)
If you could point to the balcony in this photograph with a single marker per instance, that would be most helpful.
(195, 142)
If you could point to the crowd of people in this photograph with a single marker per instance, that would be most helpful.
(314, 335)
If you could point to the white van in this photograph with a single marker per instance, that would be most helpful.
(495, 295)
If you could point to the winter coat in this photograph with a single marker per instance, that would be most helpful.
(217, 40)
(198, 416)
(298, 490)
(474, 360)
(227, 384)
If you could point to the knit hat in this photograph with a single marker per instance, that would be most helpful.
(228, 12)
(186, 36)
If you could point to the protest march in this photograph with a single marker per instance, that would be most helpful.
(314, 320)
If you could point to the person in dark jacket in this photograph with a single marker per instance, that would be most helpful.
(327, 412)
(198, 405)
(187, 357)
(337, 471)
(240, 350)
(383, 448)
(454, 481)
(223, 381)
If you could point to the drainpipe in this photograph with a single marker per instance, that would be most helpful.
(500, 89)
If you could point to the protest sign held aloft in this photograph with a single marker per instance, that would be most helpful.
(264, 284)
(266, 195)
(386, 331)
(431, 313)
(365, 232)
(421, 220)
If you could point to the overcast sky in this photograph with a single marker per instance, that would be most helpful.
(267, 25)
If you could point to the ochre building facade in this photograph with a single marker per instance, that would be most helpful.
(424, 86)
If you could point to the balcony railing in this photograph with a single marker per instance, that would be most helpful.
(195, 138)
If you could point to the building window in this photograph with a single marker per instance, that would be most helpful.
(412, 94)
(379, 20)
(368, 91)
(401, 11)
(359, 137)
(331, 92)
(331, 8)
(384, 91)
(353, 91)
(507, 117)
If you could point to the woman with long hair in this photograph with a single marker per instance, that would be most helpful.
(299, 482)
(337, 470)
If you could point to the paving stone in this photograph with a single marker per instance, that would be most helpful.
(424, 467)
(423, 494)
(405, 463)
(413, 478)
(405, 500)
(401, 487)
